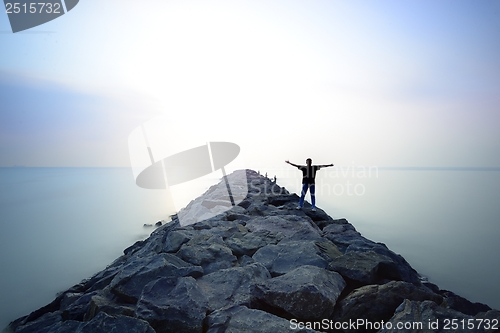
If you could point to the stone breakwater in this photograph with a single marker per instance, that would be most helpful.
(261, 266)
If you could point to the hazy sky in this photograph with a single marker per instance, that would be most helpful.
(386, 83)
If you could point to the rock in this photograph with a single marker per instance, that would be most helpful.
(42, 324)
(216, 200)
(288, 225)
(281, 200)
(379, 302)
(232, 286)
(230, 216)
(67, 326)
(159, 223)
(427, 316)
(130, 281)
(242, 319)
(342, 235)
(307, 292)
(245, 204)
(490, 314)
(431, 286)
(77, 309)
(258, 210)
(329, 249)
(197, 213)
(137, 245)
(347, 239)
(288, 255)
(245, 260)
(455, 302)
(48, 312)
(175, 239)
(104, 323)
(319, 217)
(152, 245)
(249, 242)
(209, 252)
(69, 298)
(173, 305)
(100, 303)
(405, 271)
(102, 279)
(212, 203)
(323, 220)
(366, 267)
(217, 227)
(338, 226)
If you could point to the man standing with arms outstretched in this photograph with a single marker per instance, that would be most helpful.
(308, 176)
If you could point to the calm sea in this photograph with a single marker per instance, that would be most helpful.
(61, 225)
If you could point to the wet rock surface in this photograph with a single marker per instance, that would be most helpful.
(254, 268)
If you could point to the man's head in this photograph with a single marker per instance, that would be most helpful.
(309, 161)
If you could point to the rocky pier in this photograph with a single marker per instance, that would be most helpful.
(260, 266)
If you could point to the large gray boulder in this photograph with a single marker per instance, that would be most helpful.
(341, 234)
(366, 267)
(307, 292)
(458, 303)
(232, 286)
(379, 302)
(138, 272)
(173, 305)
(427, 316)
(391, 266)
(207, 251)
(101, 303)
(288, 255)
(239, 319)
(78, 309)
(405, 271)
(175, 239)
(288, 225)
(248, 243)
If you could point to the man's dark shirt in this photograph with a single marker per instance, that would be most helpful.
(308, 173)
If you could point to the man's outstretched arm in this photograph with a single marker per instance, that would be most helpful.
(295, 165)
(325, 165)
